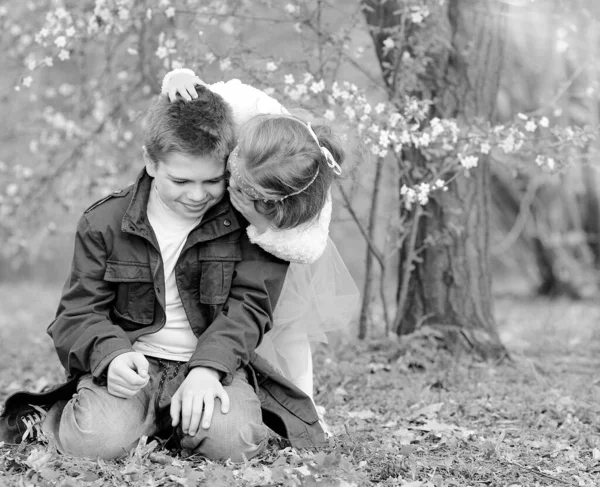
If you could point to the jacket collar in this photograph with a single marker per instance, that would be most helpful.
(218, 220)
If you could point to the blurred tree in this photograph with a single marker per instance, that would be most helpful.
(451, 288)
(86, 71)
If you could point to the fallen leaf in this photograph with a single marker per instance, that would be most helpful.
(37, 459)
(428, 411)
(436, 427)
(365, 414)
(303, 470)
(256, 476)
(405, 436)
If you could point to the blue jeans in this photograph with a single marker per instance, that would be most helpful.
(96, 424)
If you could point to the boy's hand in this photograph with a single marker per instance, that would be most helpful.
(197, 393)
(245, 205)
(183, 84)
(127, 374)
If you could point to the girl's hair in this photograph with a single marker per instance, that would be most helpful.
(282, 157)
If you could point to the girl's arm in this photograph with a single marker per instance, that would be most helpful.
(303, 244)
(244, 100)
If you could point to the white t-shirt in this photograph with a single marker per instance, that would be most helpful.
(176, 340)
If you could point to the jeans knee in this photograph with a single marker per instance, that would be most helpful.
(85, 433)
(238, 444)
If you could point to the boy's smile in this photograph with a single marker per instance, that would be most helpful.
(188, 185)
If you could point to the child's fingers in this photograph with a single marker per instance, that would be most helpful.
(192, 91)
(224, 397)
(195, 415)
(209, 407)
(175, 409)
(172, 94)
(184, 94)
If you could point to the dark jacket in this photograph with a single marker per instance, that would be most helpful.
(228, 287)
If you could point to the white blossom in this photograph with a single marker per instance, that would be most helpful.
(61, 13)
(60, 41)
(317, 86)
(485, 148)
(271, 66)
(379, 108)
(12, 189)
(468, 162)
(210, 58)
(170, 12)
(290, 8)
(424, 140)
(329, 115)
(394, 119)
(389, 44)
(530, 126)
(27, 81)
(544, 122)
(64, 55)
(162, 52)
(225, 64)
(289, 79)
(508, 144)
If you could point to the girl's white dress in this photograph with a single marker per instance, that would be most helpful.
(318, 294)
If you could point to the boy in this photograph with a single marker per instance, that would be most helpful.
(165, 304)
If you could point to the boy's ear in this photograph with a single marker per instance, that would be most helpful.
(150, 164)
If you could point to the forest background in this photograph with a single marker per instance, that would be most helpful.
(469, 217)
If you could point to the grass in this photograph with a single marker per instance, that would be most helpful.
(403, 412)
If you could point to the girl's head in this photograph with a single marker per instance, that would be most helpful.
(287, 166)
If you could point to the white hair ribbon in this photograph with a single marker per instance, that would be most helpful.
(331, 162)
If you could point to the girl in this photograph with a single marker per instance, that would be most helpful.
(281, 175)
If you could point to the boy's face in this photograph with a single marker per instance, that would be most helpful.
(188, 185)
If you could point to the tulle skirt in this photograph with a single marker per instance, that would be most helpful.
(316, 299)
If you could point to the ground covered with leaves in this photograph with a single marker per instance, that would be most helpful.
(402, 412)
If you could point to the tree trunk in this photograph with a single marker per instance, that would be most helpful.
(451, 285)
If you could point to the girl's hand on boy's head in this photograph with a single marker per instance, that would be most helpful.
(127, 374)
(245, 205)
(196, 395)
(184, 85)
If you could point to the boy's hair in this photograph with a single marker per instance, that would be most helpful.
(282, 157)
(201, 127)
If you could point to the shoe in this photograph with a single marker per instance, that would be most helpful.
(24, 412)
(23, 425)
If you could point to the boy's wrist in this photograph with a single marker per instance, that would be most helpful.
(206, 371)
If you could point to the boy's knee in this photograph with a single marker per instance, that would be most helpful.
(86, 429)
(229, 440)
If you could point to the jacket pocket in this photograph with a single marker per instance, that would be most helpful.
(217, 266)
(135, 295)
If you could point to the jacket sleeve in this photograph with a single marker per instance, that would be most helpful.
(84, 337)
(246, 101)
(230, 340)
